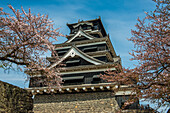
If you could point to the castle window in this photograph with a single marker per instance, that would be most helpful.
(101, 48)
(74, 30)
(95, 35)
(84, 27)
(73, 78)
(90, 49)
(60, 53)
(102, 58)
(73, 61)
(96, 79)
(80, 39)
(95, 27)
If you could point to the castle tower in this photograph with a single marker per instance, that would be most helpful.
(87, 53)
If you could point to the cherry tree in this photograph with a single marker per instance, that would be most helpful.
(150, 78)
(24, 39)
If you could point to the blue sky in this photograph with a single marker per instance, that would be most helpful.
(118, 17)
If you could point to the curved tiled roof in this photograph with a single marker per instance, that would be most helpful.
(75, 51)
(80, 33)
(97, 19)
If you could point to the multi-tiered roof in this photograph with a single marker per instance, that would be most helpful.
(87, 53)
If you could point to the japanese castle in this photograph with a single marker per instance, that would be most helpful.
(87, 54)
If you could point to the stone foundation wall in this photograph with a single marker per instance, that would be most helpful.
(92, 102)
(14, 99)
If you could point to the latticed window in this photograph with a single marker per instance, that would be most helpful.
(101, 48)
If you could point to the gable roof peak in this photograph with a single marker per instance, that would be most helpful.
(79, 34)
(75, 51)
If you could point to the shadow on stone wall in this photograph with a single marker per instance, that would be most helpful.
(14, 99)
